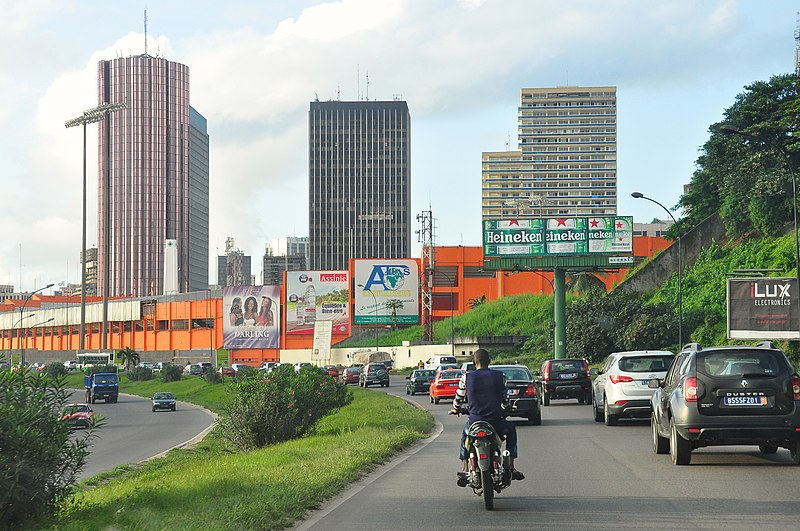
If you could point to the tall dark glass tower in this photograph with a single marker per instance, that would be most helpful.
(359, 181)
(154, 170)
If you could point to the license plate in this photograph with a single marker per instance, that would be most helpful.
(745, 400)
(453, 385)
(568, 375)
(645, 382)
(513, 392)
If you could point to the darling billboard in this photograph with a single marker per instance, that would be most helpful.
(252, 317)
(313, 296)
(387, 292)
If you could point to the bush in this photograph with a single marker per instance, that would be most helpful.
(55, 369)
(139, 374)
(281, 406)
(211, 376)
(170, 373)
(40, 458)
(246, 373)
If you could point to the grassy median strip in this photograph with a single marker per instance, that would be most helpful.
(209, 487)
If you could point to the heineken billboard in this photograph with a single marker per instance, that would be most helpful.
(558, 236)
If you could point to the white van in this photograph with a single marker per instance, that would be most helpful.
(434, 361)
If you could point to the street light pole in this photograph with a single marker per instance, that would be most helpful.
(19, 337)
(639, 195)
(89, 116)
(728, 129)
(27, 330)
(375, 300)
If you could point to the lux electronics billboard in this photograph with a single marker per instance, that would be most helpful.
(386, 292)
(763, 308)
(313, 296)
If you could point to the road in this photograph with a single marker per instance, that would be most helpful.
(133, 433)
(579, 475)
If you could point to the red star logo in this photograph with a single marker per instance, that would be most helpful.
(620, 239)
(562, 222)
(513, 222)
(594, 223)
(619, 224)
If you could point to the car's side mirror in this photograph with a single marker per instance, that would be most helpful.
(408, 377)
(655, 383)
(594, 371)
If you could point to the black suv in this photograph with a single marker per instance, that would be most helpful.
(374, 373)
(565, 378)
(727, 396)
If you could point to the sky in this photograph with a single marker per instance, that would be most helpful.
(256, 65)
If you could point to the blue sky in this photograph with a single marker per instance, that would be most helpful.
(256, 65)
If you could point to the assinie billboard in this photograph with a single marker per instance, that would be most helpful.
(313, 296)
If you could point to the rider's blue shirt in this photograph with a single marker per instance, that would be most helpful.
(485, 391)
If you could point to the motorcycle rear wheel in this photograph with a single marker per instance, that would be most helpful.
(488, 489)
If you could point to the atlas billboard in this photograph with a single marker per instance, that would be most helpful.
(313, 296)
(763, 308)
(251, 317)
(386, 292)
(558, 236)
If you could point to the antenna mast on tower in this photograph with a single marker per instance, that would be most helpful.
(426, 238)
(797, 46)
(145, 32)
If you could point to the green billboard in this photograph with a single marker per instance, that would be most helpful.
(558, 236)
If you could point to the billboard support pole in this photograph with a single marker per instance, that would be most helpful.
(560, 312)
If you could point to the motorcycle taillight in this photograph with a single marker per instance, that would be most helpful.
(480, 434)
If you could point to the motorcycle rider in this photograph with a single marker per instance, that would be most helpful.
(485, 393)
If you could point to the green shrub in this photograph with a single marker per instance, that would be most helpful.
(246, 373)
(40, 459)
(139, 374)
(280, 406)
(55, 369)
(211, 376)
(170, 373)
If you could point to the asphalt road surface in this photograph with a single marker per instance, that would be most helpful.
(580, 474)
(133, 433)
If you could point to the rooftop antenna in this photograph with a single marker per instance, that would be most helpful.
(508, 140)
(797, 46)
(367, 98)
(338, 92)
(145, 32)
(358, 75)
(567, 76)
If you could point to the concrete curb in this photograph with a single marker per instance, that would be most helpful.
(194, 440)
(334, 502)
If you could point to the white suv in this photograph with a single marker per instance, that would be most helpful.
(620, 387)
(435, 361)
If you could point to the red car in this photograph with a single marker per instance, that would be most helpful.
(78, 415)
(445, 384)
(227, 371)
(350, 375)
(332, 370)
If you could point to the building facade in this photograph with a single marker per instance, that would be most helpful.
(153, 173)
(359, 181)
(566, 161)
(233, 268)
(274, 266)
(288, 246)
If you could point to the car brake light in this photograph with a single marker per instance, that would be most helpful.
(586, 367)
(621, 402)
(483, 456)
(618, 378)
(690, 389)
(530, 391)
(796, 387)
(694, 430)
(547, 371)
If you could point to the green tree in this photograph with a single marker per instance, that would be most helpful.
(748, 180)
(585, 282)
(476, 301)
(130, 358)
(394, 305)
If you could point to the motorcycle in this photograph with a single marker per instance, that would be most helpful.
(488, 470)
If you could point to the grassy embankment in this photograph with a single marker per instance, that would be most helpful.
(210, 487)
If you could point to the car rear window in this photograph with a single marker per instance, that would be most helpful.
(450, 375)
(447, 359)
(515, 373)
(424, 374)
(737, 363)
(566, 365)
(645, 363)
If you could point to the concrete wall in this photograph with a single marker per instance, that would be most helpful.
(403, 356)
(663, 266)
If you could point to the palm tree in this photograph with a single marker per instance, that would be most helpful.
(477, 301)
(393, 305)
(129, 357)
(585, 282)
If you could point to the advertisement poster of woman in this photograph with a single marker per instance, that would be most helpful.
(252, 322)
